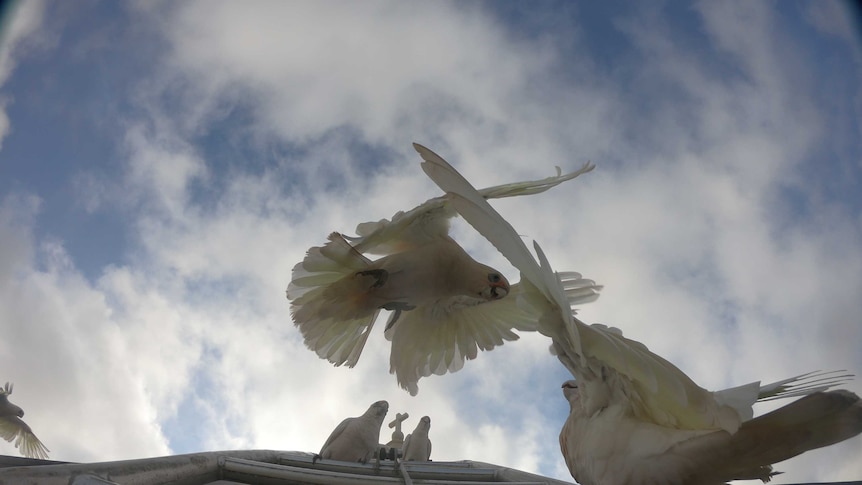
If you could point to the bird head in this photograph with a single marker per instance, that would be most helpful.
(380, 408)
(494, 286)
(570, 391)
(425, 423)
(9, 408)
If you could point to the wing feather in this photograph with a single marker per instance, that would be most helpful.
(436, 339)
(13, 428)
(336, 433)
(431, 219)
(668, 395)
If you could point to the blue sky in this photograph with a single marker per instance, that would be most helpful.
(164, 165)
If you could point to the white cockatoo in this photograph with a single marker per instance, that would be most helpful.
(417, 445)
(445, 305)
(12, 428)
(356, 439)
(636, 418)
(614, 446)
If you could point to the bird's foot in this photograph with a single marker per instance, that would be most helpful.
(380, 455)
(315, 457)
(396, 307)
(380, 276)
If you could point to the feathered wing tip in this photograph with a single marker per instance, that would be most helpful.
(515, 189)
(325, 301)
(541, 281)
(742, 398)
(420, 350)
(803, 384)
(817, 420)
(425, 343)
(529, 187)
(324, 265)
(338, 341)
(31, 447)
(578, 290)
(12, 428)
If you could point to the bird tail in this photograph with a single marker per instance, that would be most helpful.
(328, 301)
(803, 384)
(814, 421)
(817, 420)
(742, 398)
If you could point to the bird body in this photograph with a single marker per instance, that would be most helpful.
(417, 445)
(615, 447)
(434, 271)
(356, 439)
(445, 305)
(13, 428)
(635, 418)
(437, 270)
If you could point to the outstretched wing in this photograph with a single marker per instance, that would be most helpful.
(742, 398)
(664, 393)
(13, 428)
(475, 210)
(439, 338)
(431, 219)
(325, 317)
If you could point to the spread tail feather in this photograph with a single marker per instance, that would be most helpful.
(814, 421)
(327, 301)
(817, 420)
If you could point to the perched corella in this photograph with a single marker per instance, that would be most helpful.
(356, 439)
(635, 417)
(445, 305)
(12, 428)
(417, 446)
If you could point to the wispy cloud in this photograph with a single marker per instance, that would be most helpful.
(17, 24)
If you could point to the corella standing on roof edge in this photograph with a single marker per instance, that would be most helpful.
(355, 439)
(12, 428)
(635, 417)
(445, 305)
(417, 445)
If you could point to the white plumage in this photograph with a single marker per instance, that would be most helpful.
(635, 417)
(445, 305)
(417, 445)
(356, 439)
(12, 428)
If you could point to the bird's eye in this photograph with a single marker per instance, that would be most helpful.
(494, 278)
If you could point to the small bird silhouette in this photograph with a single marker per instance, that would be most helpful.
(12, 428)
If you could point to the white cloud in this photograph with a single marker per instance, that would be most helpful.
(71, 360)
(23, 20)
(834, 18)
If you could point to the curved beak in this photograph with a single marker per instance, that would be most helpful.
(499, 289)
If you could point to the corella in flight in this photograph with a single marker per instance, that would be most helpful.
(12, 428)
(445, 305)
(635, 417)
